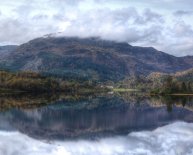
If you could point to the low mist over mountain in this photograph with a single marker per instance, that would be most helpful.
(90, 58)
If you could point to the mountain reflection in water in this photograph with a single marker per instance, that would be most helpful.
(90, 117)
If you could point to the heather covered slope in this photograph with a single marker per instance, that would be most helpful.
(91, 58)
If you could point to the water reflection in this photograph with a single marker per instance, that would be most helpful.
(91, 116)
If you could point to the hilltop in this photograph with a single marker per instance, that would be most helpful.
(90, 58)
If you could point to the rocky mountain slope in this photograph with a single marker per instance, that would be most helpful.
(91, 58)
(6, 50)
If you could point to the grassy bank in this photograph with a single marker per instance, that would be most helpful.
(124, 90)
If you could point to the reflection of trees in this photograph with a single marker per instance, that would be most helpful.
(172, 100)
(157, 101)
(169, 108)
(74, 115)
(132, 97)
(25, 101)
(30, 101)
(90, 101)
(98, 115)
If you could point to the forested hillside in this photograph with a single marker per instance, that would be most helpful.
(90, 59)
(34, 82)
(161, 83)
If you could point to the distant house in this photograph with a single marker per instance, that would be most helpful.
(109, 87)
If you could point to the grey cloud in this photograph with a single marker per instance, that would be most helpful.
(149, 16)
(152, 34)
(181, 29)
(24, 9)
(16, 31)
(180, 49)
(67, 1)
(40, 17)
(182, 13)
(184, 35)
(131, 24)
(118, 25)
(9, 31)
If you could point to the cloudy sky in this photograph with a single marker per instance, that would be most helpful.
(164, 24)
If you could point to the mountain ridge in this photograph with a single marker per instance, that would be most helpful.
(91, 58)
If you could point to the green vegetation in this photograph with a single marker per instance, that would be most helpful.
(124, 90)
(172, 85)
(155, 83)
(34, 82)
(168, 84)
(160, 83)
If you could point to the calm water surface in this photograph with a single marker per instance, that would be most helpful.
(99, 124)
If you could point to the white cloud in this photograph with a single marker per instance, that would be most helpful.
(174, 139)
(143, 23)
